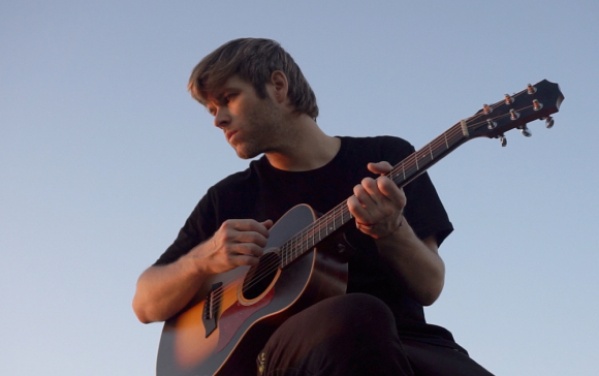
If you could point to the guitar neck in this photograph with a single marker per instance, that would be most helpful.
(418, 162)
(401, 174)
(535, 102)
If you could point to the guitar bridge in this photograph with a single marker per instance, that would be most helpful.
(212, 308)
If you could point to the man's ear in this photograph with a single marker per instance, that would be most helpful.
(280, 85)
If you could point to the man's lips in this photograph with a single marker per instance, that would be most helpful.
(229, 134)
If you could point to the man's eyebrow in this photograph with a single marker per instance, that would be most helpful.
(219, 95)
(213, 96)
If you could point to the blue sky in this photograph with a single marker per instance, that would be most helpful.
(103, 154)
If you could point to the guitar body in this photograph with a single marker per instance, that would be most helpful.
(230, 341)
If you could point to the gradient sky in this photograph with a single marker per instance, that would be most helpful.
(103, 154)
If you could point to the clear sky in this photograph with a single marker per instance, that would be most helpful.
(103, 154)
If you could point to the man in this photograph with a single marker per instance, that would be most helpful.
(261, 101)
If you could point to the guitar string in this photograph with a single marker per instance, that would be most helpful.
(300, 243)
(410, 163)
(304, 240)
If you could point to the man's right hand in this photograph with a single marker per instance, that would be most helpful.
(164, 290)
(237, 242)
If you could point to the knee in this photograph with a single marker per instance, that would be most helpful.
(363, 313)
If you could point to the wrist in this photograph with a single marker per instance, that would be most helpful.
(395, 228)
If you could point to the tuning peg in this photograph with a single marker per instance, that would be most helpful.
(514, 115)
(525, 131)
(549, 122)
(531, 89)
(502, 140)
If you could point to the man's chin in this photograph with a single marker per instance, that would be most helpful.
(245, 154)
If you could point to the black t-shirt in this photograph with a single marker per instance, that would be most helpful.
(263, 192)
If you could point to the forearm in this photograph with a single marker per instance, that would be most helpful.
(415, 261)
(164, 290)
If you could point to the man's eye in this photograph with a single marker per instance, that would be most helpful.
(228, 97)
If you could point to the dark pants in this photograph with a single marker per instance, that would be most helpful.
(355, 334)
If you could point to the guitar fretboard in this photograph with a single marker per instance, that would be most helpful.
(401, 174)
(533, 103)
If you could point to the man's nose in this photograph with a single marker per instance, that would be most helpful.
(222, 118)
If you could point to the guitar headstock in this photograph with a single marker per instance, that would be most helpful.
(535, 102)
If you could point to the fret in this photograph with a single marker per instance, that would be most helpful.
(422, 160)
(305, 243)
(446, 141)
(343, 212)
(323, 231)
(294, 245)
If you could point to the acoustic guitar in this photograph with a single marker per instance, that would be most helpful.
(223, 330)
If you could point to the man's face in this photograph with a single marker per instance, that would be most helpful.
(252, 125)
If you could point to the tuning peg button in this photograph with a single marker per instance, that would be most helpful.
(502, 140)
(549, 122)
(525, 131)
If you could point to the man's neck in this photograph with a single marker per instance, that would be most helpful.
(309, 148)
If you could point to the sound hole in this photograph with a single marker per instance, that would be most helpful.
(260, 276)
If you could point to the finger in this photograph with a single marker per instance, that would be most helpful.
(267, 224)
(247, 249)
(370, 185)
(358, 211)
(389, 189)
(253, 225)
(361, 198)
(242, 259)
(355, 207)
(367, 191)
(382, 186)
(380, 168)
(248, 237)
(234, 226)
